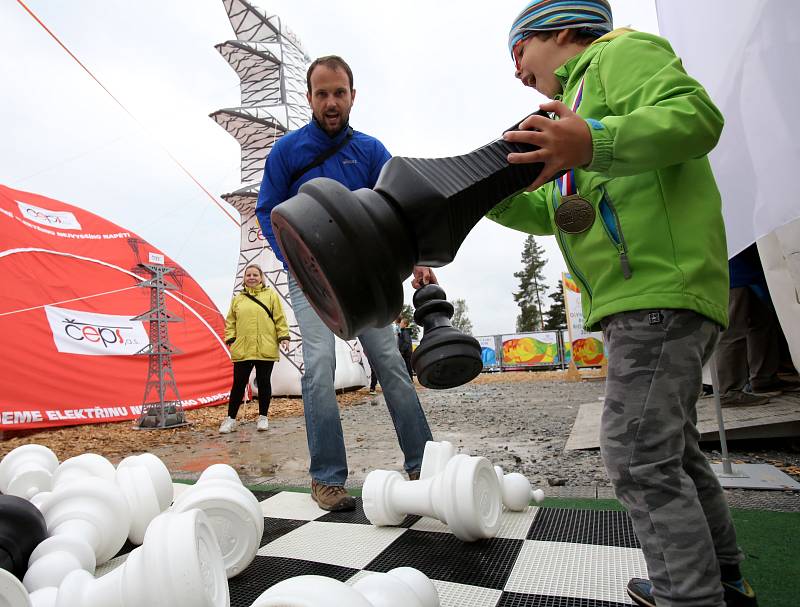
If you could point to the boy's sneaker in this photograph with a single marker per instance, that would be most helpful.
(641, 592)
(262, 423)
(332, 497)
(739, 595)
(227, 426)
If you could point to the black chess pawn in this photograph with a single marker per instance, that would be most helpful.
(22, 528)
(445, 357)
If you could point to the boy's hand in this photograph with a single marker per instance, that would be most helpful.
(565, 143)
(423, 275)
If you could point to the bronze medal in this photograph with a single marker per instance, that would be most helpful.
(574, 215)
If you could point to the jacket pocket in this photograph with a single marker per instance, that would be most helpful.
(613, 228)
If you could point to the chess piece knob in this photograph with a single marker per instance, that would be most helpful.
(27, 470)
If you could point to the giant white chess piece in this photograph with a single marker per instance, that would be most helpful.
(401, 587)
(87, 521)
(516, 489)
(27, 471)
(147, 487)
(466, 496)
(234, 512)
(12, 592)
(83, 466)
(178, 565)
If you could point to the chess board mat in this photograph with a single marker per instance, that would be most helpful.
(543, 557)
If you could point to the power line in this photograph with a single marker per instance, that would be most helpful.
(125, 109)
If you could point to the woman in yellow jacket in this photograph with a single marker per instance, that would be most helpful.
(254, 327)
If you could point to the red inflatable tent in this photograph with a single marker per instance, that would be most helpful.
(67, 342)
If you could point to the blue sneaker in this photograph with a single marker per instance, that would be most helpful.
(736, 595)
(641, 592)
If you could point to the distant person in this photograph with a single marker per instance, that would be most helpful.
(329, 147)
(748, 354)
(254, 327)
(404, 345)
(638, 217)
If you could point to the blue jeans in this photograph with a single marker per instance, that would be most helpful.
(323, 425)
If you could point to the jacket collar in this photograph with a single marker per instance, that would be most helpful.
(577, 65)
(256, 290)
(319, 134)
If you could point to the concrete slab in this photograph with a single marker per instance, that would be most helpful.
(779, 417)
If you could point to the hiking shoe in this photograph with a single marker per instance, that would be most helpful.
(777, 385)
(739, 595)
(641, 592)
(413, 475)
(742, 399)
(332, 497)
(262, 423)
(227, 426)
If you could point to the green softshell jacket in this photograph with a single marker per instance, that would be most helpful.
(658, 240)
(256, 335)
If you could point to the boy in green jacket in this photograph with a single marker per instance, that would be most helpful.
(638, 218)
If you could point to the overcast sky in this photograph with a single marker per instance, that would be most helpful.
(432, 79)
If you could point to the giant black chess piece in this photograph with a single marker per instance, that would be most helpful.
(351, 251)
(445, 357)
(22, 527)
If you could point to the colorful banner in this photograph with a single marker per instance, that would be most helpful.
(586, 348)
(530, 349)
(489, 351)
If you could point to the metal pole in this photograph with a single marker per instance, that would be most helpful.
(727, 469)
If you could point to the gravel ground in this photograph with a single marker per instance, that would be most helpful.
(520, 421)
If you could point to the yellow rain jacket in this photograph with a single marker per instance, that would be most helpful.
(256, 335)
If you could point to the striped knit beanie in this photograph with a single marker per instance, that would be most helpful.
(544, 15)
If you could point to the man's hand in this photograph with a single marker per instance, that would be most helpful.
(423, 275)
(565, 143)
(285, 345)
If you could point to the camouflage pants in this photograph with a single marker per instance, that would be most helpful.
(649, 444)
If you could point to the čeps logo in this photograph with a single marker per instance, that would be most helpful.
(76, 332)
(63, 220)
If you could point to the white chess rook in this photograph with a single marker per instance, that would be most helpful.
(147, 487)
(87, 521)
(401, 587)
(27, 471)
(466, 496)
(178, 565)
(234, 512)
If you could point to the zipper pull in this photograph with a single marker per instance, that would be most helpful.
(625, 264)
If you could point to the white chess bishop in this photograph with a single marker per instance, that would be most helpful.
(401, 587)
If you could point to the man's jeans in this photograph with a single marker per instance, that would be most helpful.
(323, 425)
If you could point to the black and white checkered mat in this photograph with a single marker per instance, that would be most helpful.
(544, 557)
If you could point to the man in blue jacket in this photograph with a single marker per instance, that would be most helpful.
(328, 147)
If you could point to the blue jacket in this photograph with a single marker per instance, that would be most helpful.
(357, 165)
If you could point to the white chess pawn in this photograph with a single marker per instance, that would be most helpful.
(178, 565)
(234, 512)
(401, 587)
(147, 487)
(517, 490)
(27, 470)
(12, 592)
(88, 521)
(83, 466)
(466, 496)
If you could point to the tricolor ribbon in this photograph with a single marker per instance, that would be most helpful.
(566, 182)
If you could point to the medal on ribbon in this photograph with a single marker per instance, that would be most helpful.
(574, 214)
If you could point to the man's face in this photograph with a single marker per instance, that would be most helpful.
(536, 60)
(330, 98)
